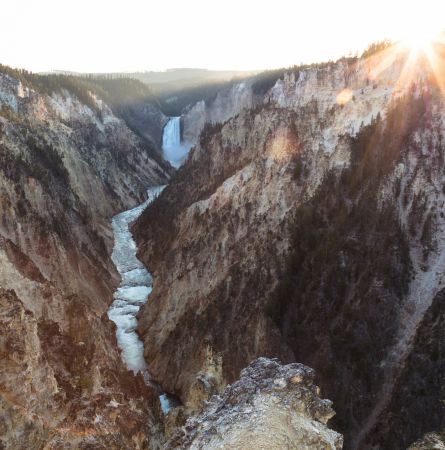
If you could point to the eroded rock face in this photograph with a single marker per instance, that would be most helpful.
(271, 406)
(65, 170)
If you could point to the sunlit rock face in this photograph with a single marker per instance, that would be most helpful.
(65, 170)
(306, 228)
(271, 406)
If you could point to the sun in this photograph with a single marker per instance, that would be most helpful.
(419, 42)
(421, 51)
(422, 35)
(422, 48)
(425, 46)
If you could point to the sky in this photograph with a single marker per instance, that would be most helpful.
(138, 35)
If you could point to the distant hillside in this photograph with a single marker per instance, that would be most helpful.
(174, 88)
(189, 76)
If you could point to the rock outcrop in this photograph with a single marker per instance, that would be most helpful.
(306, 228)
(431, 441)
(272, 406)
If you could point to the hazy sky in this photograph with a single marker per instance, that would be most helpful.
(127, 35)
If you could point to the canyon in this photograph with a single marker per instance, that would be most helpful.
(188, 282)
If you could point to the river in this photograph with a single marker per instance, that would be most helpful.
(136, 281)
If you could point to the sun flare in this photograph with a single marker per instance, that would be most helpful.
(421, 35)
(422, 53)
(425, 44)
(419, 43)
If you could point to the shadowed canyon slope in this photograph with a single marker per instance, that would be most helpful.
(308, 227)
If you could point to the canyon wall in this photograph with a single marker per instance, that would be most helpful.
(67, 165)
(227, 103)
(306, 227)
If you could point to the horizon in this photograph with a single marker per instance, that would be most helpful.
(168, 69)
(150, 36)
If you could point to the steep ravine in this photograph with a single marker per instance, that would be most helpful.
(221, 224)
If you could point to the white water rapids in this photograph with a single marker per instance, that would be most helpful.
(133, 291)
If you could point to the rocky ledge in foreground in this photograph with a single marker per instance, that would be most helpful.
(271, 406)
(435, 441)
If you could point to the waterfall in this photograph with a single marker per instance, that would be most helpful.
(174, 151)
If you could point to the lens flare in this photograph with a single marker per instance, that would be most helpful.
(344, 97)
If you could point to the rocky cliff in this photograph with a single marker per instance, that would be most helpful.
(307, 227)
(428, 442)
(271, 406)
(227, 102)
(68, 163)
